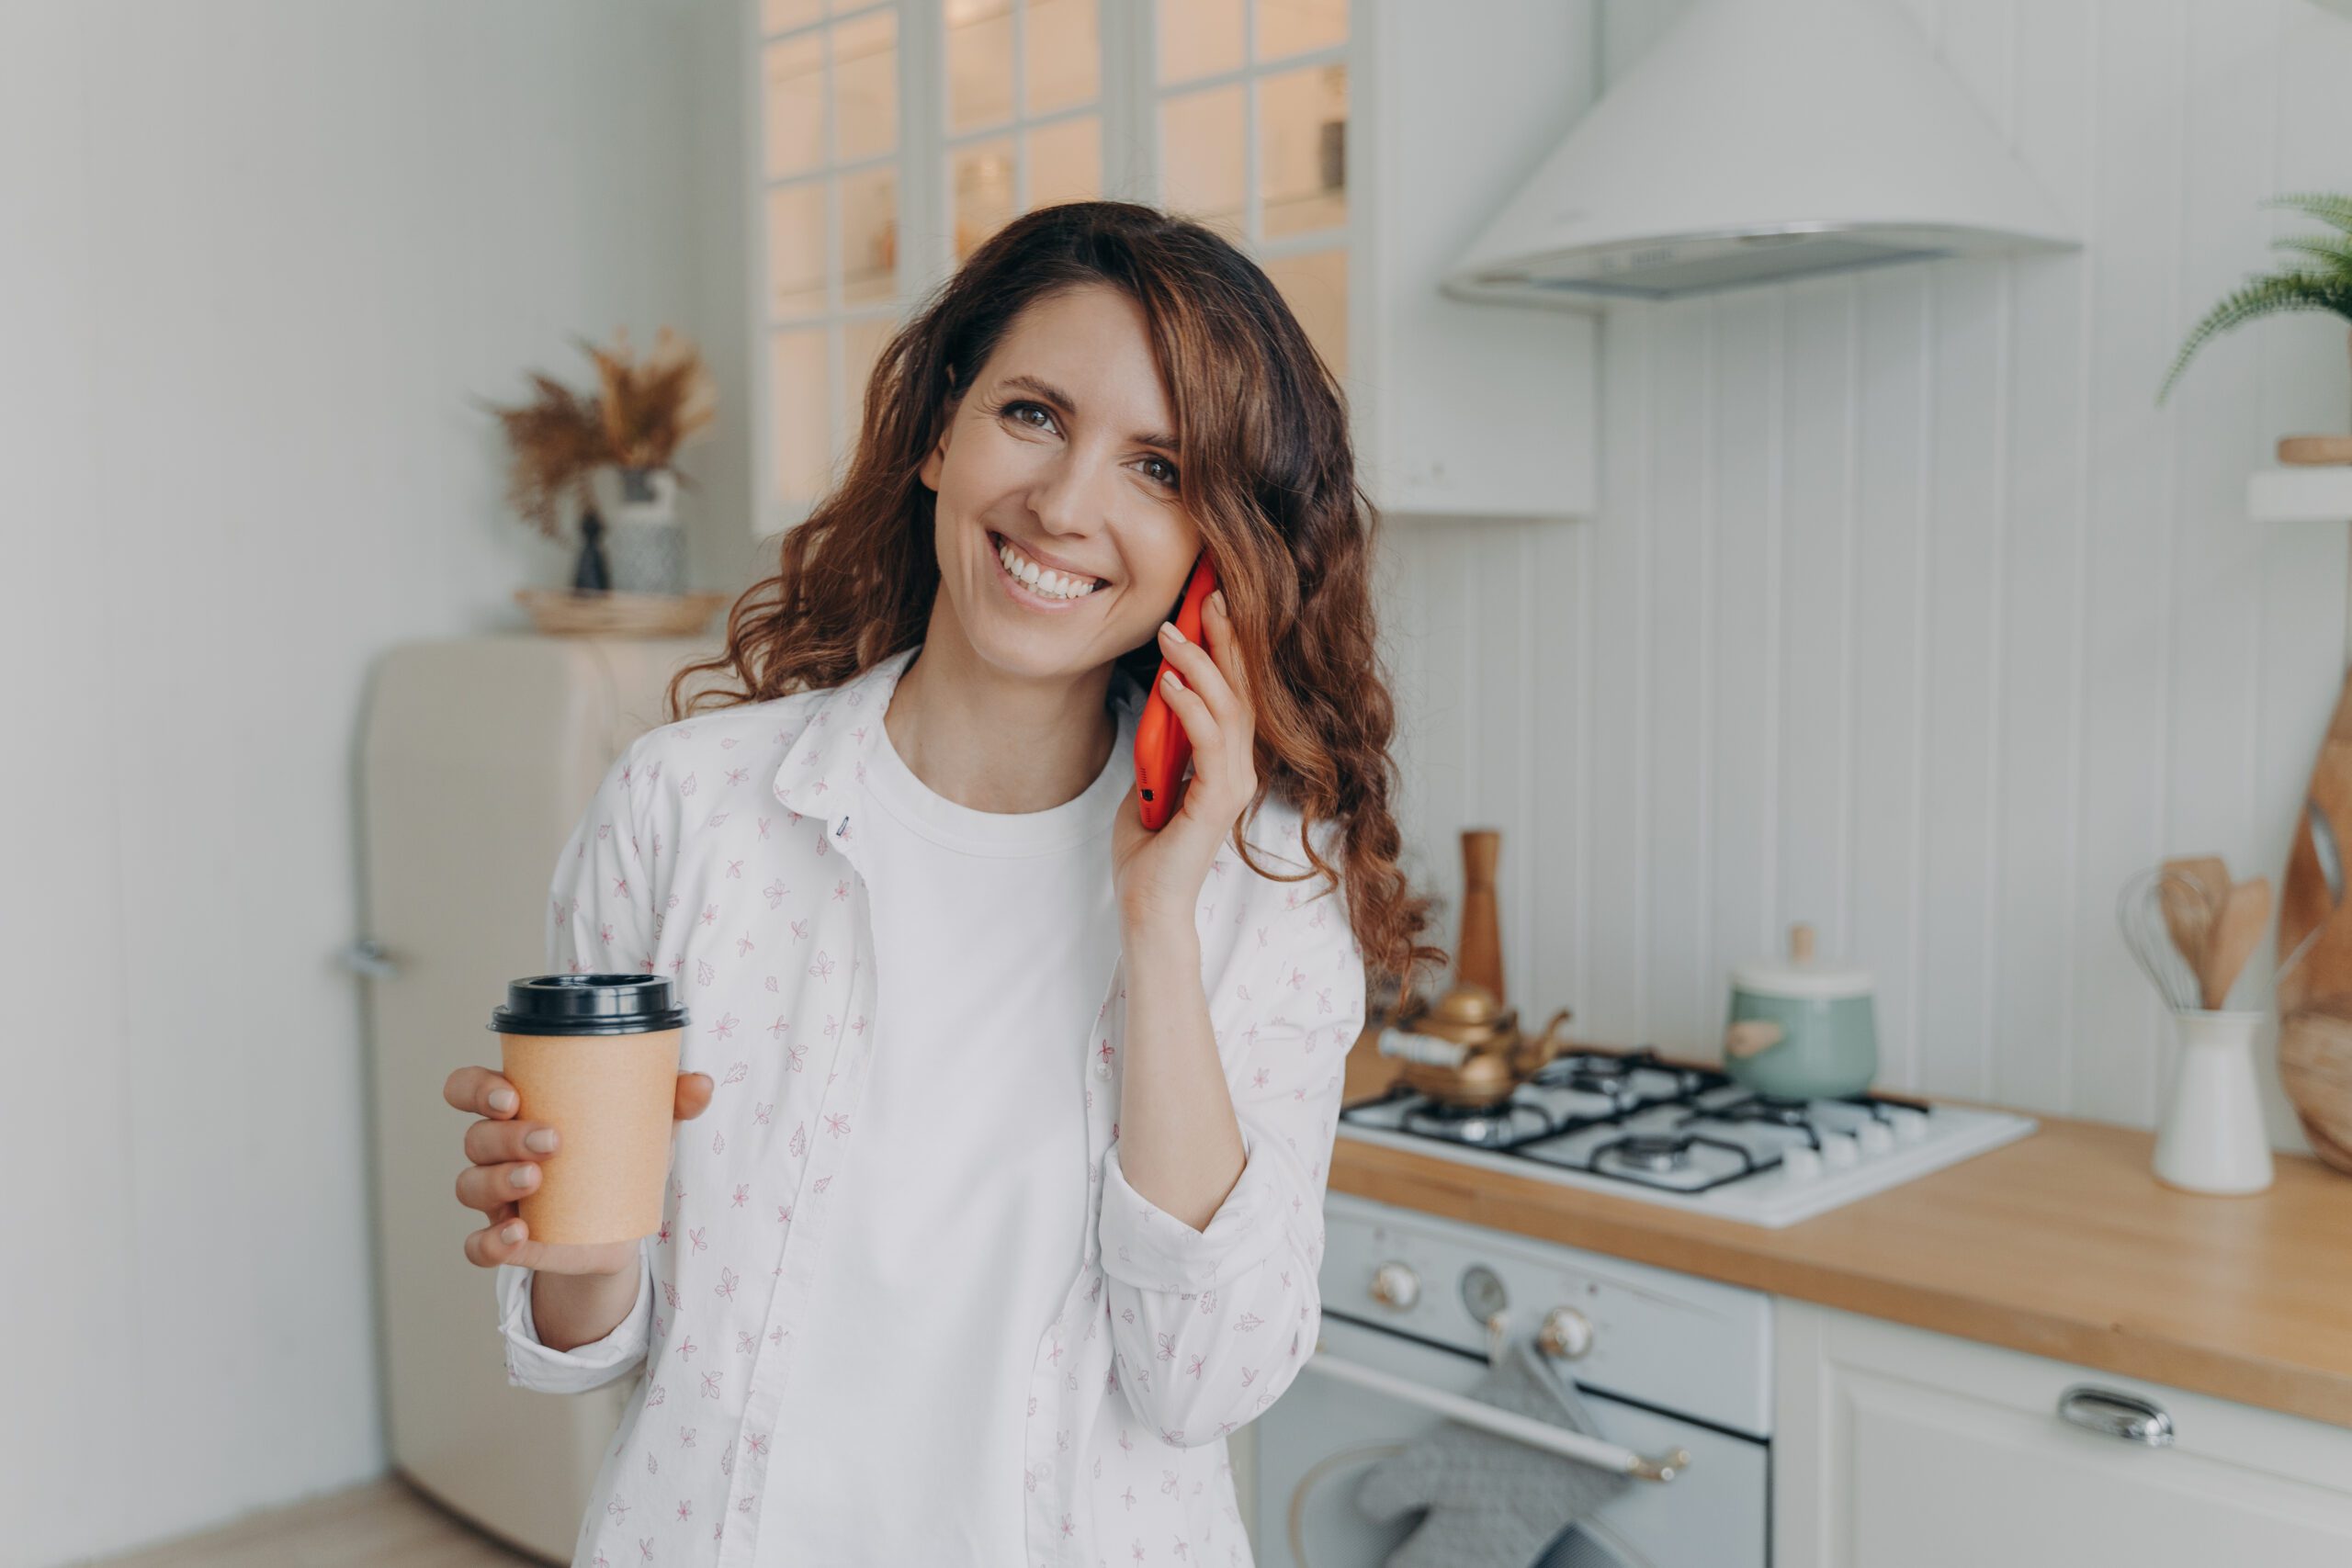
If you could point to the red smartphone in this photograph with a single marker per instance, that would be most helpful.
(1161, 746)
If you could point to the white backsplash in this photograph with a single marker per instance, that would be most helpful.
(1908, 612)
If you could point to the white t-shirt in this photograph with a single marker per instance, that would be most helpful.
(961, 1209)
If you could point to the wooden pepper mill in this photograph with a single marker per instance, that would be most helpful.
(1478, 957)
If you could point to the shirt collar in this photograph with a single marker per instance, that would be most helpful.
(824, 772)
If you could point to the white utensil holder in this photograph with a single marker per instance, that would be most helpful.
(2212, 1139)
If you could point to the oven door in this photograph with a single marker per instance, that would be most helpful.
(1315, 1443)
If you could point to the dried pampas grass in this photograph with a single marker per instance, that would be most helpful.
(639, 418)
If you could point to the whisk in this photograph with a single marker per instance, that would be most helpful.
(2140, 912)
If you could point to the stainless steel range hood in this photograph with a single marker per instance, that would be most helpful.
(1762, 140)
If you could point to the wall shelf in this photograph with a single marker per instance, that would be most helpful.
(2319, 492)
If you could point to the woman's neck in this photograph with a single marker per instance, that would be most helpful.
(984, 740)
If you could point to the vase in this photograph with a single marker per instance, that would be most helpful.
(2212, 1139)
(644, 540)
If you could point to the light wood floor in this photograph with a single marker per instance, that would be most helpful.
(385, 1524)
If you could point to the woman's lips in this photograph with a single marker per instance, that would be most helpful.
(1022, 592)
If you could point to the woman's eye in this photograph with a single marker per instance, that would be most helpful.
(1014, 411)
(1170, 480)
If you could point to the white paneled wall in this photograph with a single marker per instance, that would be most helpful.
(259, 257)
(1908, 612)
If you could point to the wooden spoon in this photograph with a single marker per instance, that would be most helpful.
(2192, 889)
(2244, 915)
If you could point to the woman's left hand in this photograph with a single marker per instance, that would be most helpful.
(1159, 873)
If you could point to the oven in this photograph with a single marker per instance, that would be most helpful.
(1676, 1371)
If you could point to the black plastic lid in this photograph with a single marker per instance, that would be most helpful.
(587, 1004)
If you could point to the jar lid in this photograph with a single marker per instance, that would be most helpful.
(588, 1004)
(1801, 973)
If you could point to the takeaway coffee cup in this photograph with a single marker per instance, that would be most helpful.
(595, 1057)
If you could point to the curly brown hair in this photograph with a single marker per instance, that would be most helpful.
(1269, 480)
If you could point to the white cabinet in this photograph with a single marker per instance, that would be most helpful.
(1475, 410)
(1897, 1448)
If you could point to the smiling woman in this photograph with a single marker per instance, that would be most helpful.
(912, 1300)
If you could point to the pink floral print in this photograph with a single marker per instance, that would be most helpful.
(1168, 1339)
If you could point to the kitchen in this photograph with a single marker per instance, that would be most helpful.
(1885, 601)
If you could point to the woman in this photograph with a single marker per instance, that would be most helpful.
(886, 1321)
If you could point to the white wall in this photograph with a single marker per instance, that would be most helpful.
(1908, 612)
(258, 258)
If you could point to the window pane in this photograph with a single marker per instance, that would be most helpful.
(797, 250)
(1201, 156)
(780, 15)
(803, 430)
(870, 235)
(795, 104)
(1064, 54)
(1316, 287)
(865, 87)
(1065, 161)
(1302, 132)
(1198, 36)
(979, 178)
(979, 63)
(1293, 27)
(862, 344)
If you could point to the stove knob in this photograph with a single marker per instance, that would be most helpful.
(1567, 1334)
(1875, 1137)
(1838, 1149)
(1910, 1126)
(1395, 1285)
(1800, 1164)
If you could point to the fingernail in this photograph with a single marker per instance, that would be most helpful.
(502, 1100)
(1170, 681)
(543, 1140)
(1217, 599)
(521, 1175)
(1168, 630)
(513, 1232)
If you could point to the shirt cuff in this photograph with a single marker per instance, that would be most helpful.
(1144, 1246)
(531, 1364)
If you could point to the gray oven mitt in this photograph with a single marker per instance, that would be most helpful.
(1493, 1502)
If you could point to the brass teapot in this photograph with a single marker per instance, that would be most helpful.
(1496, 1057)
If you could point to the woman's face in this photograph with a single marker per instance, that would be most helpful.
(1061, 448)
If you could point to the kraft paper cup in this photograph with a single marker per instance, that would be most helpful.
(595, 1057)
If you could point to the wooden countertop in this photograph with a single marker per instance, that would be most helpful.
(2062, 1244)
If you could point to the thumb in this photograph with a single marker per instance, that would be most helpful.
(694, 1090)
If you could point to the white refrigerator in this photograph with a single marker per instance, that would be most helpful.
(477, 756)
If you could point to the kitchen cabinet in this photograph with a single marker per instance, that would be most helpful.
(1464, 409)
(1898, 1447)
(1350, 147)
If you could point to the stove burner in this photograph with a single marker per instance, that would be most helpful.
(1766, 1108)
(1485, 1124)
(1654, 1151)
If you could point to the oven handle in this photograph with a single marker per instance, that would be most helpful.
(1502, 1423)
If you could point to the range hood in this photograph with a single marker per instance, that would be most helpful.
(1762, 140)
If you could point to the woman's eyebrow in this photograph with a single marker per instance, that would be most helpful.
(1054, 394)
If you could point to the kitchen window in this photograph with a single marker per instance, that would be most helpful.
(892, 139)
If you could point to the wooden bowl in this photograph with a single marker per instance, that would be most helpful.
(2315, 1068)
(573, 612)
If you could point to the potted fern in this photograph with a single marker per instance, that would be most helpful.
(2322, 281)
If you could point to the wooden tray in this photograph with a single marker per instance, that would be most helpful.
(572, 612)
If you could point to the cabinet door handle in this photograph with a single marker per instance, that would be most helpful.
(2117, 1414)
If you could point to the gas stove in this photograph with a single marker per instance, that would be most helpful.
(1634, 1125)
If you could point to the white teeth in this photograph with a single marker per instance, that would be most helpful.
(1053, 585)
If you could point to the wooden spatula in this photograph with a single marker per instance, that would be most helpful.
(2237, 931)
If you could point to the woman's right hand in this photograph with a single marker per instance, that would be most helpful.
(501, 1148)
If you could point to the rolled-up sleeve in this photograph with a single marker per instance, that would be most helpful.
(1209, 1327)
(530, 1364)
